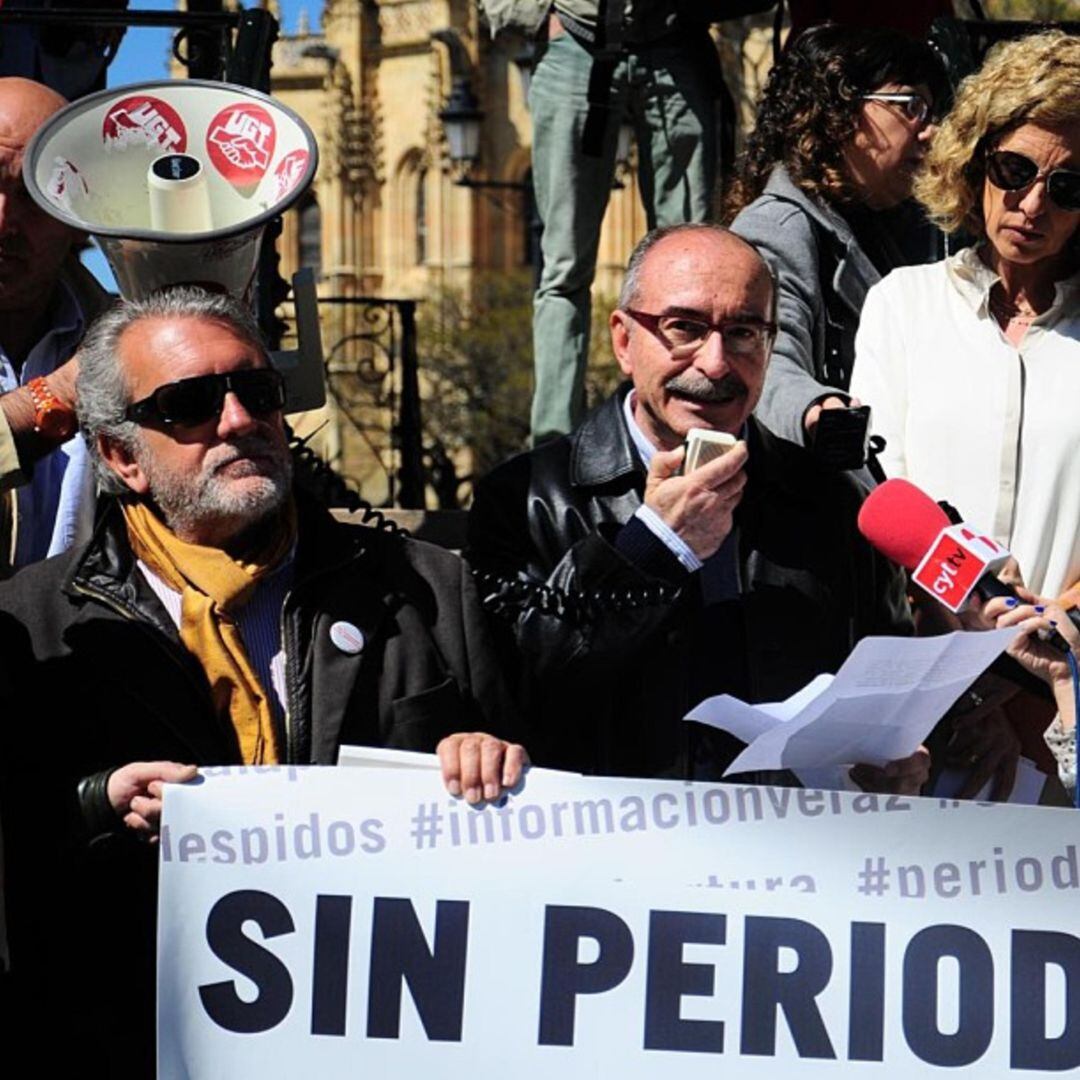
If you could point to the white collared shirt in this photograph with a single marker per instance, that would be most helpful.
(655, 523)
(974, 420)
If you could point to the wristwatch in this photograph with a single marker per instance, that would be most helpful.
(53, 418)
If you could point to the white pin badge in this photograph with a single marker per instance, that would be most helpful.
(348, 638)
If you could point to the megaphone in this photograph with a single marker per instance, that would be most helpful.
(176, 181)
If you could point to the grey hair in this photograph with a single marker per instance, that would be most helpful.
(102, 390)
(631, 285)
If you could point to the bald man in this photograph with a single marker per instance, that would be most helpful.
(46, 300)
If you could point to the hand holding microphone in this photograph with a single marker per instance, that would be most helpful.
(1031, 650)
(949, 561)
(1037, 621)
(699, 507)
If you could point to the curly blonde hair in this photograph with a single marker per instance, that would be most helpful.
(1034, 79)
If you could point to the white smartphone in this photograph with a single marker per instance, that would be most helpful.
(702, 445)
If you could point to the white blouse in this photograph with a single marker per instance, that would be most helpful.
(969, 418)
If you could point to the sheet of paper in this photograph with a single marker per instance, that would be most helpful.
(747, 722)
(371, 757)
(882, 703)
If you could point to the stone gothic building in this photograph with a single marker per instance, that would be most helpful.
(389, 216)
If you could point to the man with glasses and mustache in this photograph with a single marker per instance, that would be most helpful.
(216, 616)
(634, 591)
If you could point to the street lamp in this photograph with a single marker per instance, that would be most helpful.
(461, 118)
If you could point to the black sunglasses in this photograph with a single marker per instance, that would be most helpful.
(1010, 171)
(190, 402)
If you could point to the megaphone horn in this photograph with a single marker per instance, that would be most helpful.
(175, 180)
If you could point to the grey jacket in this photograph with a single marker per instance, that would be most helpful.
(788, 227)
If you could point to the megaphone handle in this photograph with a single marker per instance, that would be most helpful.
(305, 375)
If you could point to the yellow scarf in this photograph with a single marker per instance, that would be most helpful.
(213, 587)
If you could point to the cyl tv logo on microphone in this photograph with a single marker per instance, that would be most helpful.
(955, 562)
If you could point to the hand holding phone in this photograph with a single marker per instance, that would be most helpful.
(842, 437)
(704, 444)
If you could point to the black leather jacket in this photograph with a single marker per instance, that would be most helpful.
(97, 677)
(608, 690)
(425, 662)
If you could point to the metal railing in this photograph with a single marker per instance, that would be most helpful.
(372, 375)
(233, 46)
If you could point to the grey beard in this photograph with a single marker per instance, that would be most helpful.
(187, 502)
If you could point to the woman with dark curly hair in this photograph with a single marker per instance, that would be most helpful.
(972, 365)
(842, 126)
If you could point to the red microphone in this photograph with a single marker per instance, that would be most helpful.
(950, 561)
(901, 521)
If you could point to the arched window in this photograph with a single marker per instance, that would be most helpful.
(309, 246)
(421, 217)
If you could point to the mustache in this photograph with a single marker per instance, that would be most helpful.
(697, 386)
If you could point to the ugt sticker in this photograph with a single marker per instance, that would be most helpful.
(240, 142)
(289, 172)
(142, 120)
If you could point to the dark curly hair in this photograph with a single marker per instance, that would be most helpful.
(810, 107)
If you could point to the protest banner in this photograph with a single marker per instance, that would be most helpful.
(363, 923)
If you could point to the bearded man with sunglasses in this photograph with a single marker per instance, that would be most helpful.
(631, 591)
(217, 616)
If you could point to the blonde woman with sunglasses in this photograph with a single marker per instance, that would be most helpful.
(972, 365)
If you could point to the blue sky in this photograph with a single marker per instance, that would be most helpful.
(144, 55)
